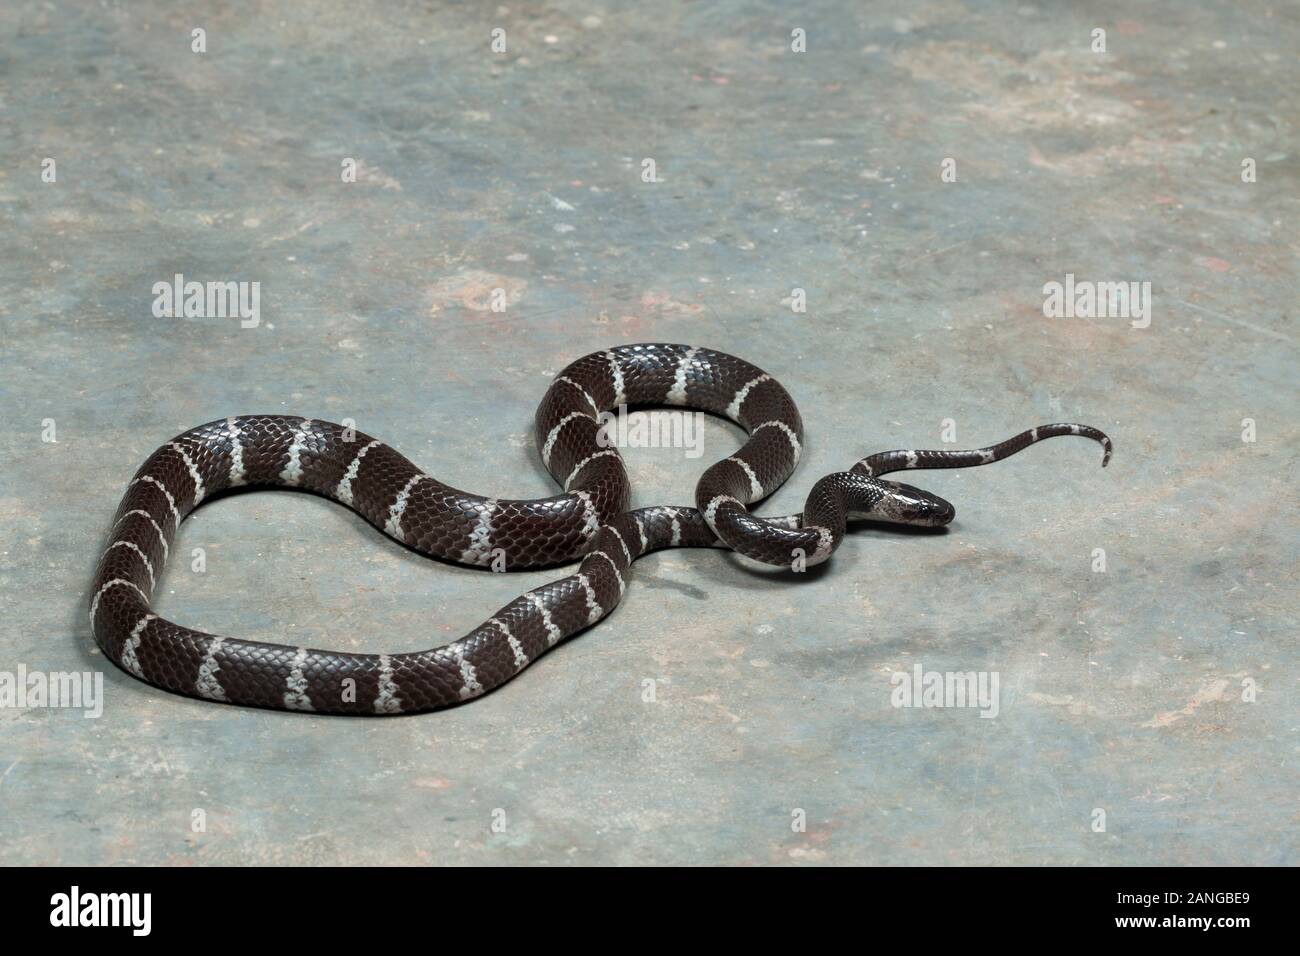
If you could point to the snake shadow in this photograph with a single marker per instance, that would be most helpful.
(759, 573)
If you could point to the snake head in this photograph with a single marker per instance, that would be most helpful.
(903, 504)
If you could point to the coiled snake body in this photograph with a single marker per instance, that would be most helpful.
(590, 521)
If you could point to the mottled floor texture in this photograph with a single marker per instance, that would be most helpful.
(1146, 713)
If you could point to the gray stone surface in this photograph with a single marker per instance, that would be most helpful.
(1120, 691)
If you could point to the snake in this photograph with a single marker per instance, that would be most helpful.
(590, 522)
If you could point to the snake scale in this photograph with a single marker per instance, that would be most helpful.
(589, 521)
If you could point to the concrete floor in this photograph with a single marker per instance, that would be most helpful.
(1120, 691)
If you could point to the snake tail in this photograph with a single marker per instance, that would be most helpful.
(882, 463)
